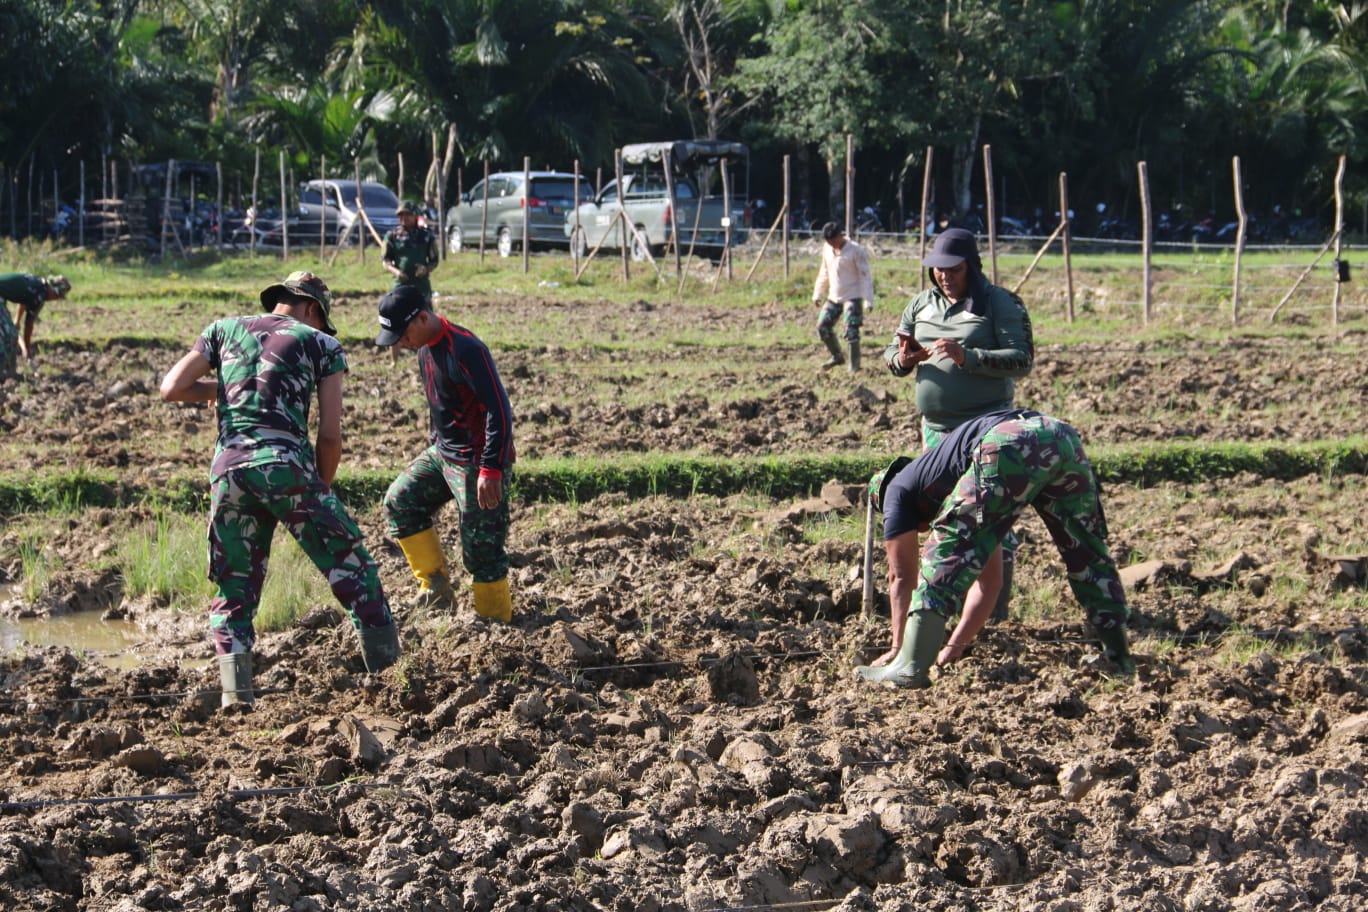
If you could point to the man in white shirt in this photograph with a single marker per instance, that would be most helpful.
(844, 283)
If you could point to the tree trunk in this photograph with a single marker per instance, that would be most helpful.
(965, 160)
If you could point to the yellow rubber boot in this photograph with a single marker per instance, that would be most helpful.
(493, 601)
(423, 551)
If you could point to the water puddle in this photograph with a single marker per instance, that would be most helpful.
(112, 642)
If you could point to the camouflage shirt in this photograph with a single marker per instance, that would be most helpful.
(22, 288)
(269, 368)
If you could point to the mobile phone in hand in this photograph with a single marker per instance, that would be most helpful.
(906, 334)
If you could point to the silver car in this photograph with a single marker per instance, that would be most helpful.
(498, 213)
(329, 207)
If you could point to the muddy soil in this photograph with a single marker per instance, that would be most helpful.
(671, 722)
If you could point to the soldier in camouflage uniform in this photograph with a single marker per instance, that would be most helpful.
(30, 292)
(968, 490)
(469, 459)
(266, 472)
(410, 251)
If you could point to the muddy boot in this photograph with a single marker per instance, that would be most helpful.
(1116, 648)
(493, 601)
(854, 357)
(837, 356)
(923, 637)
(379, 646)
(423, 551)
(235, 678)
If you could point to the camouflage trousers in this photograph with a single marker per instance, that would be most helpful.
(9, 344)
(246, 506)
(430, 482)
(854, 319)
(1038, 462)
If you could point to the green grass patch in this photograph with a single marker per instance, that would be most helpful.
(166, 562)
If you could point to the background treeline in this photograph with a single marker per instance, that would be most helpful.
(1084, 86)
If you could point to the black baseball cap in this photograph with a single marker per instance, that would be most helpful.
(952, 247)
(397, 310)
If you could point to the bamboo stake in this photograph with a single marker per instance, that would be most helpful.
(921, 228)
(1064, 221)
(1147, 242)
(785, 214)
(992, 207)
(1339, 240)
(1039, 253)
(526, 213)
(1239, 241)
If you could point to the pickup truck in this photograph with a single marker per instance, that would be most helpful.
(695, 218)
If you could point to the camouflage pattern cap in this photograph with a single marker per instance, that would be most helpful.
(306, 284)
(408, 207)
(59, 284)
(880, 481)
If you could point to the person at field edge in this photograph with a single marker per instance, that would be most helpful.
(265, 472)
(469, 459)
(30, 292)
(410, 251)
(967, 341)
(968, 490)
(845, 283)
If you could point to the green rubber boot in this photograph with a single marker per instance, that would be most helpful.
(1116, 648)
(923, 637)
(837, 356)
(235, 678)
(379, 646)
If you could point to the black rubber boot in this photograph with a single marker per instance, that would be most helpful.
(923, 637)
(854, 357)
(379, 646)
(1116, 648)
(235, 678)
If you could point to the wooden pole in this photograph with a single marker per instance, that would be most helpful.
(668, 162)
(726, 219)
(575, 233)
(1239, 240)
(323, 208)
(1039, 253)
(867, 589)
(623, 225)
(399, 188)
(360, 213)
(218, 204)
(1333, 241)
(484, 210)
(1146, 243)
(850, 184)
(166, 206)
(1339, 240)
(526, 213)
(284, 209)
(441, 195)
(1064, 220)
(256, 211)
(921, 228)
(81, 209)
(992, 207)
(785, 214)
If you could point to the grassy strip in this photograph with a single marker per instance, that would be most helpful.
(778, 477)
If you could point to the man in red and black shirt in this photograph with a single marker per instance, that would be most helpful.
(469, 459)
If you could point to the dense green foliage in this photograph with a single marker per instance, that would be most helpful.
(1084, 86)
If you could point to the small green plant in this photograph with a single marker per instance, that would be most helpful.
(167, 563)
(293, 585)
(37, 565)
